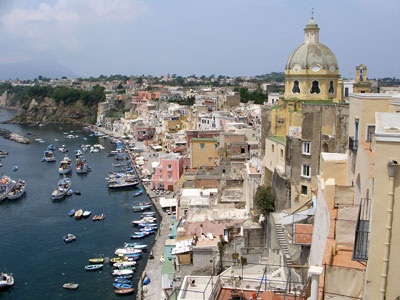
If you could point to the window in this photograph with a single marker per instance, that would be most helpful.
(242, 150)
(281, 153)
(346, 92)
(331, 89)
(160, 177)
(169, 177)
(273, 148)
(201, 145)
(169, 167)
(295, 88)
(304, 189)
(306, 170)
(315, 87)
(306, 148)
(370, 132)
(210, 159)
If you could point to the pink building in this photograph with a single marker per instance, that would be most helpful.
(168, 172)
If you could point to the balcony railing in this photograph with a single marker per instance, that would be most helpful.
(361, 240)
(353, 144)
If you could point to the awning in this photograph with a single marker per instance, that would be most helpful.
(177, 150)
(167, 202)
(155, 164)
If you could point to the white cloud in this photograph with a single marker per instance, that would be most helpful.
(58, 24)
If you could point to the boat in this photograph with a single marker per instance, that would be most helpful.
(65, 165)
(71, 212)
(70, 192)
(69, 238)
(148, 214)
(122, 183)
(49, 156)
(135, 245)
(122, 272)
(124, 277)
(63, 149)
(146, 280)
(118, 285)
(96, 260)
(51, 147)
(81, 166)
(15, 168)
(76, 192)
(138, 193)
(93, 267)
(137, 208)
(99, 217)
(17, 191)
(78, 153)
(138, 235)
(124, 264)
(78, 214)
(127, 250)
(145, 203)
(117, 280)
(6, 280)
(86, 213)
(62, 189)
(124, 291)
(143, 225)
(70, 286)
(117, 259)
(144, 220)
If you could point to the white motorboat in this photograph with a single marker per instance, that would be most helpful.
(6, 280)
(49, 156)
(17, 191)
(128, 250)
(122, 272)
(65, 165)
(144, 220)
(62, 189)
(124, 264)
(81, 166)
(6, 185)
(86, 213)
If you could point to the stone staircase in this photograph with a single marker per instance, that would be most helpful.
(280, 232)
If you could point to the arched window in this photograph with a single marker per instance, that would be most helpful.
(295, 88)
(331, 89)
(315, 87)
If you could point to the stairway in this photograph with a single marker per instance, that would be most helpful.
(282, 243)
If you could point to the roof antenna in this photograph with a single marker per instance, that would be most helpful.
(312, 13)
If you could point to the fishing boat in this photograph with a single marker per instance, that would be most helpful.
(70, 286)
(49, 156)
(122, 182)
(122, 272)
(127, 281)
(124, 277)
(146, 280)
(135, 245)
(17, 191)
(78, 214)
(138, 193)
(71, 212)
(69, 238)
(86, 213)
(81, 166)
(6, 280)
(127, 250)
(144, 220)
(96, 260)
(118, 285)
(124, 291)
(65, 165)
(137, 208)
(62, 189)
(93, 267)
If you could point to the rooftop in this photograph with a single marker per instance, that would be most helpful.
(204, 140)
(278, 139)
(387, 127)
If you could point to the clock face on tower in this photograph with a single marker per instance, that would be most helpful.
(315, 68)
(296, 68)
(332, 68)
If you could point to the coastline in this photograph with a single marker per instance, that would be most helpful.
(152, 268)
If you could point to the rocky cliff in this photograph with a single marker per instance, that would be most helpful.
(49, 111)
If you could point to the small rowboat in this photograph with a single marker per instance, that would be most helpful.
(71, 212)
(126, 281)
(78, 214)
(124, 277)
(122, 272)
(70, 286)
(99, 217)
(146, 280)
(96, 260)
(124, 264)
(135, 245)
(86, 213)
(69, 238)
(118, 285)
(138, 193)
(124, 291)
(93, 267)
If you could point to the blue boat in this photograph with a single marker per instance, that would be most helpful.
(118, 285)
(143, 225)
(132, 255)
(15, 168)
(51, 147)
(71, 212)
(138, 235)
(121, 277)
(138, 193)
(135, 245)
(93, 267)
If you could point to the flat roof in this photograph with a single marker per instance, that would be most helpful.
(278, 139)
(204, 140)
(387, 127)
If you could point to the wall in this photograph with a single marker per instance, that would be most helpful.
(208, 156)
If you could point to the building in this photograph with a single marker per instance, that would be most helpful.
(168, 172)
(204, 152)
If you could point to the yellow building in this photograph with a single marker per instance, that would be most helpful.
(362, 85)
(204, 152)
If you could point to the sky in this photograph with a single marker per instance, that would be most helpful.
(202, 37)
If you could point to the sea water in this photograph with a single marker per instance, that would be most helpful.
(32, 227)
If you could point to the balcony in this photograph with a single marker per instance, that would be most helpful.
(353, 144)
(361, 240)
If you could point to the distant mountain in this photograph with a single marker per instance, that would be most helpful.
(31, 69)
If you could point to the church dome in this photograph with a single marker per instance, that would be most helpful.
(312, 53)
(309, 54)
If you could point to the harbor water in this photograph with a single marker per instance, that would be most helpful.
(32, 227)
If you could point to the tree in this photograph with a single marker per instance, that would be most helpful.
(264, 199)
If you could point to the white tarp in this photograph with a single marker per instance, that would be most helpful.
(155, 164)
(167, 202)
